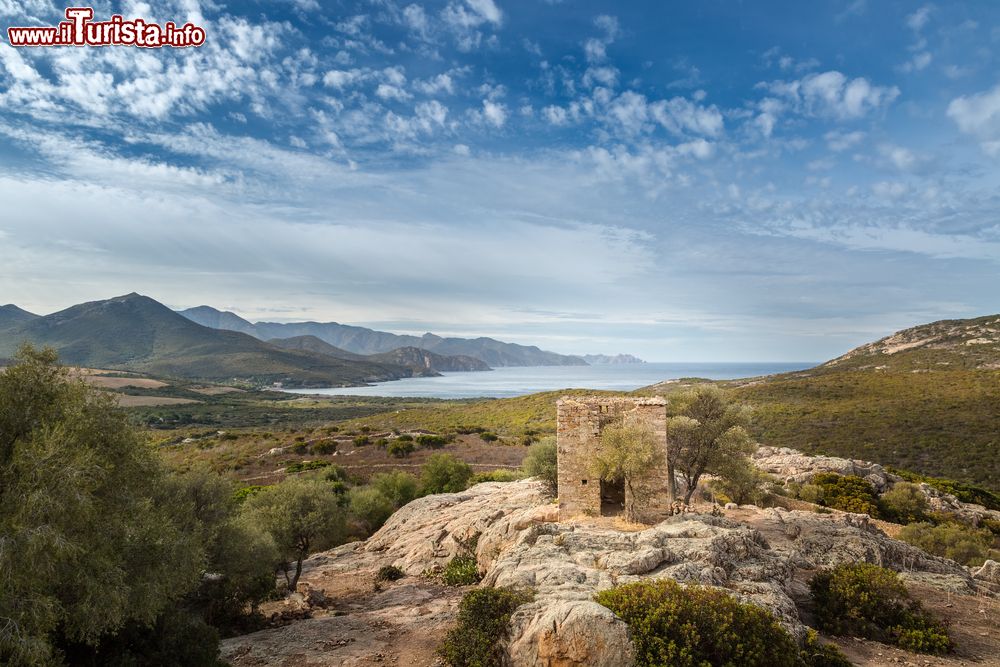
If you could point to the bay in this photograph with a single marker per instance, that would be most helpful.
(520, 380)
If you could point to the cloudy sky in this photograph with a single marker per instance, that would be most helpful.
(712, 180)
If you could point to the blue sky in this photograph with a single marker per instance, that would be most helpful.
(682, 181)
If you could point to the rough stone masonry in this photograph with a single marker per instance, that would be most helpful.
(579, 424)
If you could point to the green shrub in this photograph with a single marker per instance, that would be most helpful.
(541, 463)
(302, 466)
(400, 448)
(489, 436)
(443, 473)
(325, 447)
(382, 443)
(406, 437)
(362, 440)
(461, 571)
(959, 542)
(817, 654)
(398, 486)
(432, 441)
(864, 600)
(498, 475)
(848, 493)
(904, 503)
(967, 493)
(244, 492)
(389, 573)
(696, 625)
(300, 448)
(483, 620)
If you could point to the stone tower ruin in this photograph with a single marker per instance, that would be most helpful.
(579, 424)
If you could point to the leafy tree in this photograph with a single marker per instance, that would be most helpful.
(708, 434)
(904, 503)
(742, 482)
(443, 473)
(541, 462)
(398, 486)
(301, 516)
(370, 507)
(90, 540)
(628, 451)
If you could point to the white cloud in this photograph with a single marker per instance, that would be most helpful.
(833, 94)
(979, 115)
(841, 141)
(495, 113)
(899, 157)
(555, 115)
(918, 19)
(442, 83)
(389, 92)
(680, 115)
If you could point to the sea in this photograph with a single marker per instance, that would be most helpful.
(520, 380)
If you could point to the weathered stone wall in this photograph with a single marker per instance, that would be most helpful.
(579, 424)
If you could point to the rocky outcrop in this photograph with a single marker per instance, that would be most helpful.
(753, 553)
(792, 465)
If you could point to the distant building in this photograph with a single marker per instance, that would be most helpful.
(580, 421)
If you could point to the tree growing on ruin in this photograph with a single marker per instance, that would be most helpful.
(707, 434)
(629, 450)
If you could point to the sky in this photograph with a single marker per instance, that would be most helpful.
(684, 181)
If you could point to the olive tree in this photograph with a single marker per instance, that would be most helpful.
(301, 516)
(542, 462)
(707, 434)
(629, 450)
(90, 539)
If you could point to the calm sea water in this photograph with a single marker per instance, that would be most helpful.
(518, 381)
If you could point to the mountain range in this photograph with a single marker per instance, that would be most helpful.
(136, 333)
(361, 340)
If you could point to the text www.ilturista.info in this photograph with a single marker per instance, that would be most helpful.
(80, 30)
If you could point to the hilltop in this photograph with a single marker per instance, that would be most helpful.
(420, 362)
(361, 340)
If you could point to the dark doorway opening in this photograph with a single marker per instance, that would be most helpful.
(612, 497)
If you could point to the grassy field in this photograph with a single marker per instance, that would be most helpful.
(943, 423)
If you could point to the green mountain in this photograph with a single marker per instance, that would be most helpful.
(419, 362)
(136, 333)
(361, 340)
(925, 399)
(11, 315)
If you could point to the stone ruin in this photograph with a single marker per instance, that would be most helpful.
(580, 421)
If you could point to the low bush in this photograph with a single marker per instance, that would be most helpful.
(406, 437)
(400, 448)
(967, 493)
(244, 492)
(864, 600)
(325, 447)
(499, 475)
(362, 441)
(848, 493)
(961, 543)
(904, 503)
(489, 436)
(541, 463)
(461, 571)
(302, 466)
(483, 621)
(697, 625)
(432, 441)
(817, 654)
(389, 573)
